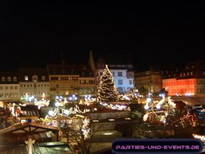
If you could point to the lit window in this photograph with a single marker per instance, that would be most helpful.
(26, 78)
(191, 73)
(120, 82)
(34, 78)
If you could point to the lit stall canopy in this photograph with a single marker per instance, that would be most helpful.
(20, 132)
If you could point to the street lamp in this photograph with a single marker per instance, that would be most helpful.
(73, 98)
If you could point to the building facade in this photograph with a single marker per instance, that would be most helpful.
(122, 70)
(9, 86)
(34, 82)
(150, 80)
(71, 79)
(189, 81)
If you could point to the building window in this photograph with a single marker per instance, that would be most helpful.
(34, 78)
(54, 78)
(9, 79)
(15, 79)
(43, 78)
(26, 78)
(120, 82)
(1, 88)
(91, 82)
(113, 73)
(191, 73)
(82, 81)
(180, 74)
(64, 78)
(83, 74)
(119, 73)
(187, 73)
(3, 79)
(130, 82)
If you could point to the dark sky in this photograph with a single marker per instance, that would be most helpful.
(34, 32)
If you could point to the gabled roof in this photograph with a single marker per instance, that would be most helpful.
(27, 128)
(64, 69)
(19, 133)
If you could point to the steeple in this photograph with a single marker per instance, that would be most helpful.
(91, 62)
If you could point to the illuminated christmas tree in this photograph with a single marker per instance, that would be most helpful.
(107, 91)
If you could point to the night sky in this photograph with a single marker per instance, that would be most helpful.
(33, 33)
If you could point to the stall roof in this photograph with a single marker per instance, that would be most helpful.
(21, 131)
(190, 100)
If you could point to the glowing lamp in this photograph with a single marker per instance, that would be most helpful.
(146, 107)
(149, 100)
(158, 106)
(66, 112)
(51, 113)
(57, 104)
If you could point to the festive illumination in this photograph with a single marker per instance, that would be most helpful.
(41, 103)
(73, 98)
(188, 118)
(85, 127)
(28, 98)
(146, 107)
(200, 137)
(163, 101)
(148, 103)
(107, 91)
(180, 87)
(115, 106)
